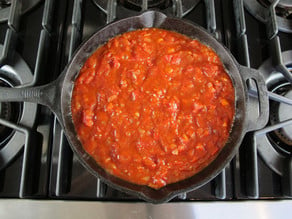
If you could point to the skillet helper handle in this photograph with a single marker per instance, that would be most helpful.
(47, 95)
(258, 101)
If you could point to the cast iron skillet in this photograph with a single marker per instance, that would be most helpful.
(57, 96)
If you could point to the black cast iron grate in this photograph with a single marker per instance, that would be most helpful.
(52, 171)
(28, 38)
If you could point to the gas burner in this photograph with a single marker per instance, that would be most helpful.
(283, 10)
(280, 112)
(10, 112)
(166, 6)
(137, 5)
(275, 147)
(5, 6)
(15, 74)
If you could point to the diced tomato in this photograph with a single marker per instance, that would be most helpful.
(88, 117)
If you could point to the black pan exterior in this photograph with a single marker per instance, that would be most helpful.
(156, 19)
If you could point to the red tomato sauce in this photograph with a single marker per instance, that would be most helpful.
(153, 107)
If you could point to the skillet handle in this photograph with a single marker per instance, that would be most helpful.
(257, 99)
(48, 95)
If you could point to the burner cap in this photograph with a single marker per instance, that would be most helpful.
(280, 112)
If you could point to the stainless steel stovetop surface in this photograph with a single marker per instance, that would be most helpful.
(40, 41)
(32, 209)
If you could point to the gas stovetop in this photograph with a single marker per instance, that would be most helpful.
(38, 38)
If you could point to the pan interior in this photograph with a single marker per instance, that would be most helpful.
(159, 20)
